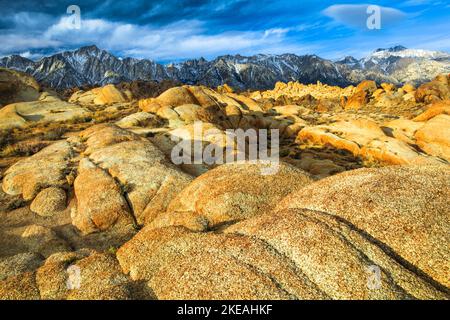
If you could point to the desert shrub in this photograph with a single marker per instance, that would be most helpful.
(9, 151)
(16, 204)
(6, 138)
(112, 250)
(22, 149)
(54, 134)
(80, 119)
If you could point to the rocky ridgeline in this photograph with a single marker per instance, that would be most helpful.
(291, 90)
(95, 67)
(108, 202)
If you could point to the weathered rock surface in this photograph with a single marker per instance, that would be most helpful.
(149, 180)
(305, 93)
(134, 178)
(336, 257)
(230, 193)
(438, 89)
(108, 94)
(178, 264)
(322, 242)
(435, 109)
(100, 279)
(20, 287)
(49, 202)
(363, 138)
(43, 240)
(109, 213)
(18, 264)
(59, 274)
(186, 105)
(195, 140)
(403, 210)
(79, 275)
(402, 129)
(434, 136)
(47, 109)
(100, 203)
(42, 170)
(139, 119)
(362, 95)
(318, 168)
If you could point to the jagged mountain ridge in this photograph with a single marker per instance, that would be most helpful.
(401, 65)
(93, 66)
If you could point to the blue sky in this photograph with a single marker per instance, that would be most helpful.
(173, 30)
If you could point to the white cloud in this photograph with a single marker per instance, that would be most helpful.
(276, 31)
(184, 39)
(18, 43)
(30, 55)
(355, 15)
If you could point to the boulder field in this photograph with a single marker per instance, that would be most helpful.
(357, 209)
(282, 237)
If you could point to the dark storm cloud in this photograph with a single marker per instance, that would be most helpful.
(174, 29)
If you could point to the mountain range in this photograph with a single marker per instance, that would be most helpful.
(93, 66)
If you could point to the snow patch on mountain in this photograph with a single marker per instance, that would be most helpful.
(93, 66)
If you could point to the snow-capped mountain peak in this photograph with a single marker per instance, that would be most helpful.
(402, 52)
